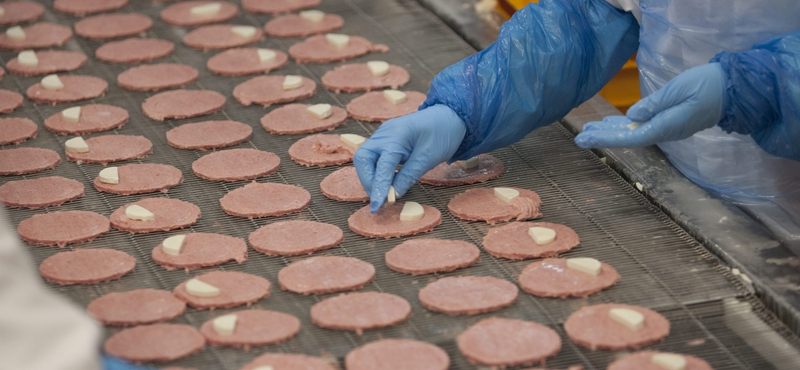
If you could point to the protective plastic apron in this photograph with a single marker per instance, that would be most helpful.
(679, 34)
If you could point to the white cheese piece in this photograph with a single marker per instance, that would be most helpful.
(71, 114)
(225, 324)
(634, 125)
(506, 194)
(201, 289)
(412, 211)
(320, 111)
(27, 58)
(631, 319)
(173, 245)
(76, 145)
(392, 196)
(542, 235)
(352, 140)
(378, 68)
(337, 40)
(244, 31)
(205, 10)
(52, 82)
(15, 33)
(469, 163)
(2, 11)
(266, 55)
(395, 96)
(315, 16)
(265, 367)
(137, 212)
(669, 361)
(109, 175)
(292, 82)
(590, 266)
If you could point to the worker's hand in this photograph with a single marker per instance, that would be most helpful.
(110, 363)
(691, 102)
(420, 141)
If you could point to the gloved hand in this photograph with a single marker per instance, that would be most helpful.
(692, 101)
(420, 141)
(110, 363)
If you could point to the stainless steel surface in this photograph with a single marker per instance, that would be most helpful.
(662, 267)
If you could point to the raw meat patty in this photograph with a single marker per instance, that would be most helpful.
(294, 119)
(170, 214)
(360, 311)
(21, 161)
(499, 342)
(426, 256)
(75, 88)
(236, 164)
(140, 178)
(180, 13)
(83, 7)
(288, 361)
(16, 130)
(321, 150)
(209, 135)
(512, 241)
(155, 77)
(86, 266)
(62, 228)
(182, 104)
(9, 101)
(293, 25)
(254, 328)
(277, 6)
(134, 50)
(265, 199)
(343, 185)
(480, 204)
(592, 328)
(236, 289)
(552, 278)
(94, 118)
(203, 250)
(20, 11)
(136, 307)
(109, 26)
(296, 237)
(373, 107)
(316, 49)
(468, 295)
(113, 148)
(42, 192)
(357, 77)
(219, 37)
(397, 354)
(488, 168)
(155, 343)
(38, 36)
(643, 361)
(241, 62)
(386, 223)
(326, 274)
(268, 90)
(50, 61)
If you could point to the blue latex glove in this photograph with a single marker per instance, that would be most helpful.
(110, 363)
(420, 141)
(692, 101)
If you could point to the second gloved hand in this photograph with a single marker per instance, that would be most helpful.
(691, 102)
(419, 141)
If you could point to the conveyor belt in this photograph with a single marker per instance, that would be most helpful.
(661, 266)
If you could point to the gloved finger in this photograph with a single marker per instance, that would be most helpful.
(669, 125)
(608, 123)
(670, 95)
(412, 170)
(365, 160)
(645, 135)
(384, 175)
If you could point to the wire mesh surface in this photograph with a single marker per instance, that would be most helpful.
(661, 266)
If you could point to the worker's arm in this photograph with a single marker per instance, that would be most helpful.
(549, 58)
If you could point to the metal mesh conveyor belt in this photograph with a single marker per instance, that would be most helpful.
(661, 266)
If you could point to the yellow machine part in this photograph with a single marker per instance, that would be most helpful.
(622, 91)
